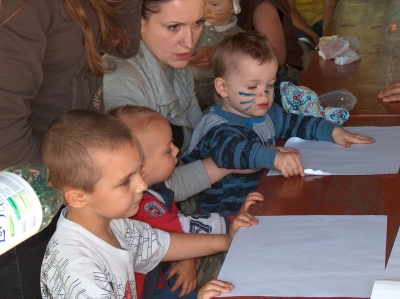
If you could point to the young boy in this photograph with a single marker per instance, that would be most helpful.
(220, 21)
(96, 162)
(157, 207)
(241, 133)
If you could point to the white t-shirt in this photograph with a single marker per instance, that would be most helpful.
(78, 264)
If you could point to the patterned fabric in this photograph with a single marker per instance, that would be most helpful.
(159, 210)
(232, 145)
(236, 142)
(302, 100)
(78, 264)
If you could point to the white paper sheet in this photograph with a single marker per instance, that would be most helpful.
(307, 256)
(386, 289)
(389, 286)
(382, 157)
(392, 270)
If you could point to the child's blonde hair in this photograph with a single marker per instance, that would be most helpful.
(71, 141)
(231, 48)
(137, 118)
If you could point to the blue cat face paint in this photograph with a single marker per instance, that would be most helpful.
(246, 102)
(250, 103)
(247, 94)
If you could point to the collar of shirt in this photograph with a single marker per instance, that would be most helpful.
(225, 27)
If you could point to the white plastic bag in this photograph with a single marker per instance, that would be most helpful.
(348, 57)
(342, 49)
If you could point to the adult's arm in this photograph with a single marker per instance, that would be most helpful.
(300, 23)
(22, 48)
(188, 180)
(117, 92)
(329, 10)
(266, 20)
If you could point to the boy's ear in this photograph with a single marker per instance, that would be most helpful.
(75, 198)
(220, 87)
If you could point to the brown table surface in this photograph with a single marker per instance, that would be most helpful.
(333, 195)
(371, 22)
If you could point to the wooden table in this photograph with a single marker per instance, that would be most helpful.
(333, 195)
(376, 24)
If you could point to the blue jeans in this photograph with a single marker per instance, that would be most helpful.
(167, 294)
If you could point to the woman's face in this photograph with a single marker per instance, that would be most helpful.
(172, 34)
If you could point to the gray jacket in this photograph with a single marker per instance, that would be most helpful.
(140, 80)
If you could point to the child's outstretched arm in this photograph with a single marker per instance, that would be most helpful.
(214, 288)
(345, 138)
(186, 246)
(186, 276)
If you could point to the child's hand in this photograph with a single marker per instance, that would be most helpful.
(289, 164)
(242, 219)
(345, 138)
(214, 288)
(186, 276)
(251, 199)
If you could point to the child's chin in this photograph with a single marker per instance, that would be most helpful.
(132, 212)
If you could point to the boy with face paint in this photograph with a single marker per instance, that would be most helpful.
(241, 133)
(220, 21)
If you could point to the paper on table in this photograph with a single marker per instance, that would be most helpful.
(392, 270)
(386, 289)
(307, 256)
(389, 286)
(382, 157)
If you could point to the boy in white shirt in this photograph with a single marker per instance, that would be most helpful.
(96, 162)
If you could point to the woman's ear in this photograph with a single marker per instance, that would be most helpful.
(75, 198)
(220, 87)
(142, 26)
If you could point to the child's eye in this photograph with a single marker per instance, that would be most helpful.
(126, 183)
(173, 27)
(252, 87)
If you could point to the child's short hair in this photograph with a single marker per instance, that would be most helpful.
(231, 48)
(71, 141)
(136, 117)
